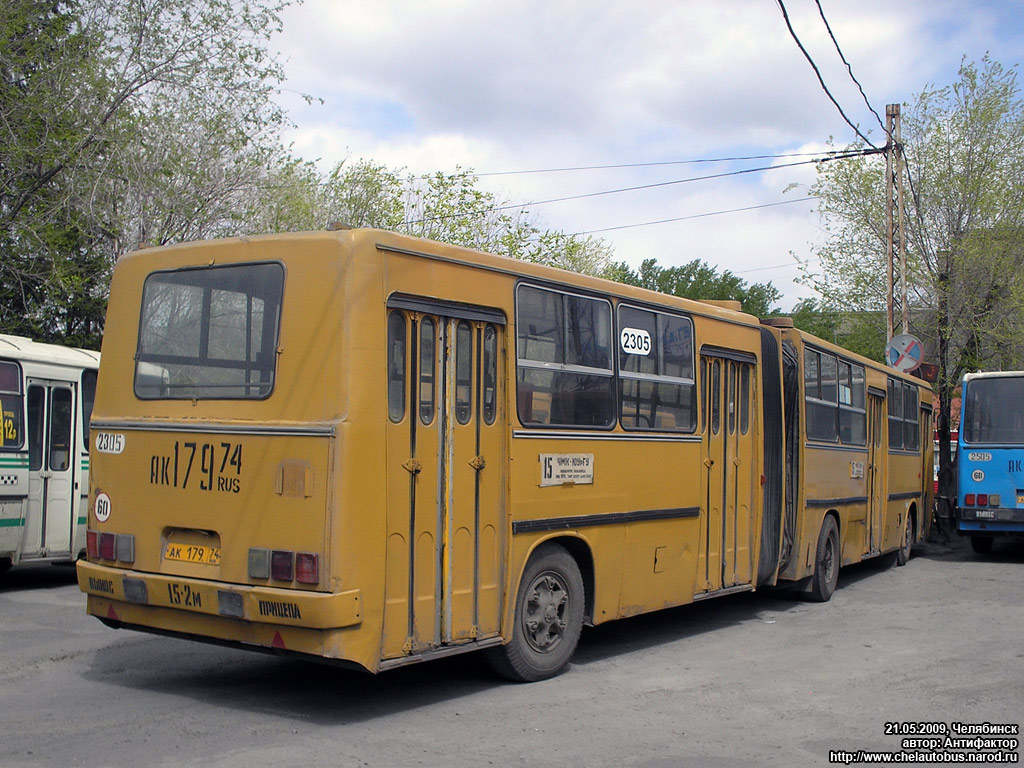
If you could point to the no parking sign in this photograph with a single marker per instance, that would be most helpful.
(904, 352)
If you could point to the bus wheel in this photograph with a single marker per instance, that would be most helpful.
(547, 621)
(981, 544)
(903, 553)
(826, 562)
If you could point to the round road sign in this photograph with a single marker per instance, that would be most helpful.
(904, 352)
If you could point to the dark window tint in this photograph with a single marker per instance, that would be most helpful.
(821, 396)
(396, 367)
(904, 423)
(835, 392)
(994, 410)
(88, 398)
(36, 427)
(463, 373)
(61, 421)
(490, 363)
(744, 399)
(11, 406)
(716, 397)
(911, 433)
(428, 363)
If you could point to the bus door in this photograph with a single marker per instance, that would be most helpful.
(875, 471)
(49, 524)
(445, 546)
(726, 551)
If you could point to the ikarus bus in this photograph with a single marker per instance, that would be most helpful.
(46, 394)
(372, 449)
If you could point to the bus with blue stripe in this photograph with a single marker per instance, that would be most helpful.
(46, 396)
(990, 458)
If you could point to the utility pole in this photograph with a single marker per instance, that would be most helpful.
(896, 246)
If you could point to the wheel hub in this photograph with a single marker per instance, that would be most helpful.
(546, 610)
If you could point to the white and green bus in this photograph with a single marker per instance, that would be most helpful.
(46, 397)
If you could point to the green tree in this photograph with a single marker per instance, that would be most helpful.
(122, 122)
(965, 149)
(450, 208)
(698, 280)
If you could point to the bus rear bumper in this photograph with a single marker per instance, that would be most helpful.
(989, 521)
(238, 602)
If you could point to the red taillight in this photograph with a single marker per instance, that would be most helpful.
(108, 546)
(307, 568)
(92, 545)
(282, 564)
(982, 499)
(968, 499)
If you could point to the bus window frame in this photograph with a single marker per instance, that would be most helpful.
(900, 420)
(657, 378)
(88, 402)
(20, 396)
(857, 391)
(272, 346)
(562, 367)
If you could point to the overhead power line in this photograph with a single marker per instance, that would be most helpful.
(849, 69)
(696, 216)
(648, 165)
(656, 185)
(821, 80)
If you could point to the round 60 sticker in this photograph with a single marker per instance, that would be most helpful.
(102, 507)
(977, 475)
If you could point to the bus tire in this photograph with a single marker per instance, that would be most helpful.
(826, 562)
(548, 618)
(981, 544)
(903, 553)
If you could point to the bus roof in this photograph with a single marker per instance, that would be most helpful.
(409, 245)
(21, 348)
(867, 362)
(994, 375)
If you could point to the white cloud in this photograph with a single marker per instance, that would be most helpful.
(526, 84)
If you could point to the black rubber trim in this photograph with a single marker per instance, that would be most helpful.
(905, 495)
(837, 502)
(613, 518)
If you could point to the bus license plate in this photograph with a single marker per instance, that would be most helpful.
(192, 553)
(1020, 499)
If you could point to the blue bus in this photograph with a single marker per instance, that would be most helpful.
(990, 458)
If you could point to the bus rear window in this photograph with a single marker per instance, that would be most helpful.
(209, 333)
(993, 411)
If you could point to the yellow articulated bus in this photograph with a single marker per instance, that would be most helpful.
(46, 396)
(371, 449)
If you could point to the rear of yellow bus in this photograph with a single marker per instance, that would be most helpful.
(219, 436)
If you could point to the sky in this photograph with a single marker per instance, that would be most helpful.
(646, 85)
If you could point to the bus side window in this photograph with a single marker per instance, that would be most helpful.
(11, 406)
(744, 399)
(428, 356)
(36, 406)
(911, 427)
(716, 396)
(490, 387)
(463, 373)
(564, 370)
(396, 367)
(88, 398)
(61, 419)
(895, 408)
